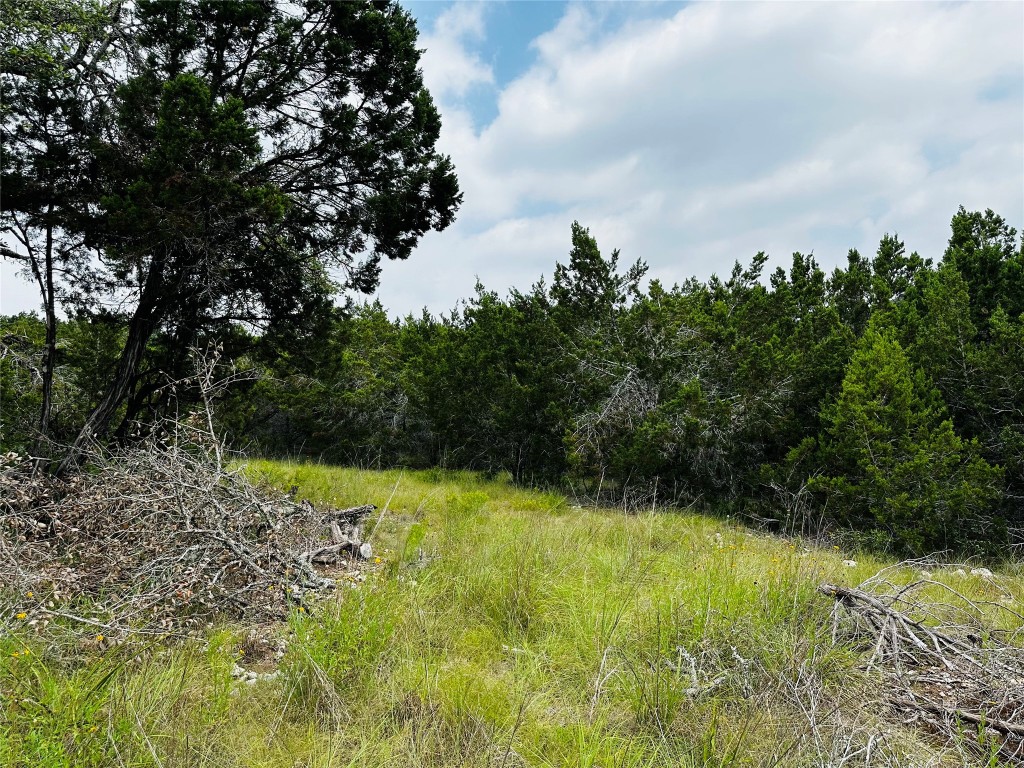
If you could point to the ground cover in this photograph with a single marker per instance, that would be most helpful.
(503, 627)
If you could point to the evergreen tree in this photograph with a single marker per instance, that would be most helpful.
(986, 251)
(943, 338)
(849, 291)
(896, 462)
(235, 155)
(52, 98)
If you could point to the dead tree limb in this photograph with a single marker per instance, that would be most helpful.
(945, 672)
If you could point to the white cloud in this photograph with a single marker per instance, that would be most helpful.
(731, 128)
(449, 69)
(17, 292)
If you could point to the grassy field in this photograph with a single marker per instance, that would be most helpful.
(500, 628)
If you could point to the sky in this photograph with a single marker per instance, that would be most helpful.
(693, 135)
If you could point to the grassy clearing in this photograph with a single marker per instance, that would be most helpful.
(501, 628)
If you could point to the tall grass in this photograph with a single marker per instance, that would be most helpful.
(501, 628)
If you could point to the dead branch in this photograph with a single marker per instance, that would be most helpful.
(942, 662)
(161, 538)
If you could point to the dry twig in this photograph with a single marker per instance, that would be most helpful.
(945, 667)
(160, 538)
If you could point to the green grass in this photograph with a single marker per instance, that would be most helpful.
(501, 628)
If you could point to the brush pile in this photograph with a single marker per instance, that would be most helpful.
(953, 665)
(161, 538)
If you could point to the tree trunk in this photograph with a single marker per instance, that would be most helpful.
(139, 400)
(50, 347)
(145, 320)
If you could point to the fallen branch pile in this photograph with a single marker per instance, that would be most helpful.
(943, 667)
(161, 538)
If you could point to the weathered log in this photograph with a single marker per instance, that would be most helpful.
(354, 514)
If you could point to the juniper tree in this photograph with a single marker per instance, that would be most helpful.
(896, 463)
(52, 96)
(256, 157)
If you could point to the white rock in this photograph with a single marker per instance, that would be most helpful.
(249, 677)
(985, 573)
(850, 563)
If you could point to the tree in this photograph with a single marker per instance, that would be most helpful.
(996, 417)
(896, 462)
(51, 97)
(589, 288)
(893, 272)
(941, 337)
(256, 157)
(849, 292)
(986, 251)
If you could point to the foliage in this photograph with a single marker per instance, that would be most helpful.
(869, 394)
(52, 100)
(218, 163)
(878, 398)
(21, 342)
(901, 466)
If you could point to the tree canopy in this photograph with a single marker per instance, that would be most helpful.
(207, 163)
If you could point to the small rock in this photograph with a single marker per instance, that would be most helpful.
(985, 573)
(365, 550)
(959, 572)
(850, 563)
(249, 677)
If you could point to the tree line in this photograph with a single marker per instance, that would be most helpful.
(202, 175)
(885, 398)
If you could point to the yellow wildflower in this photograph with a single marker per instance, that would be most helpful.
(21, 616)
(99, 638)
(28, 594)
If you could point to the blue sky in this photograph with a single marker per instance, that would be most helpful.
(509, 28)
(692, 135)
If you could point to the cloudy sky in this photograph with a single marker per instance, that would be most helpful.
(692, 135)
